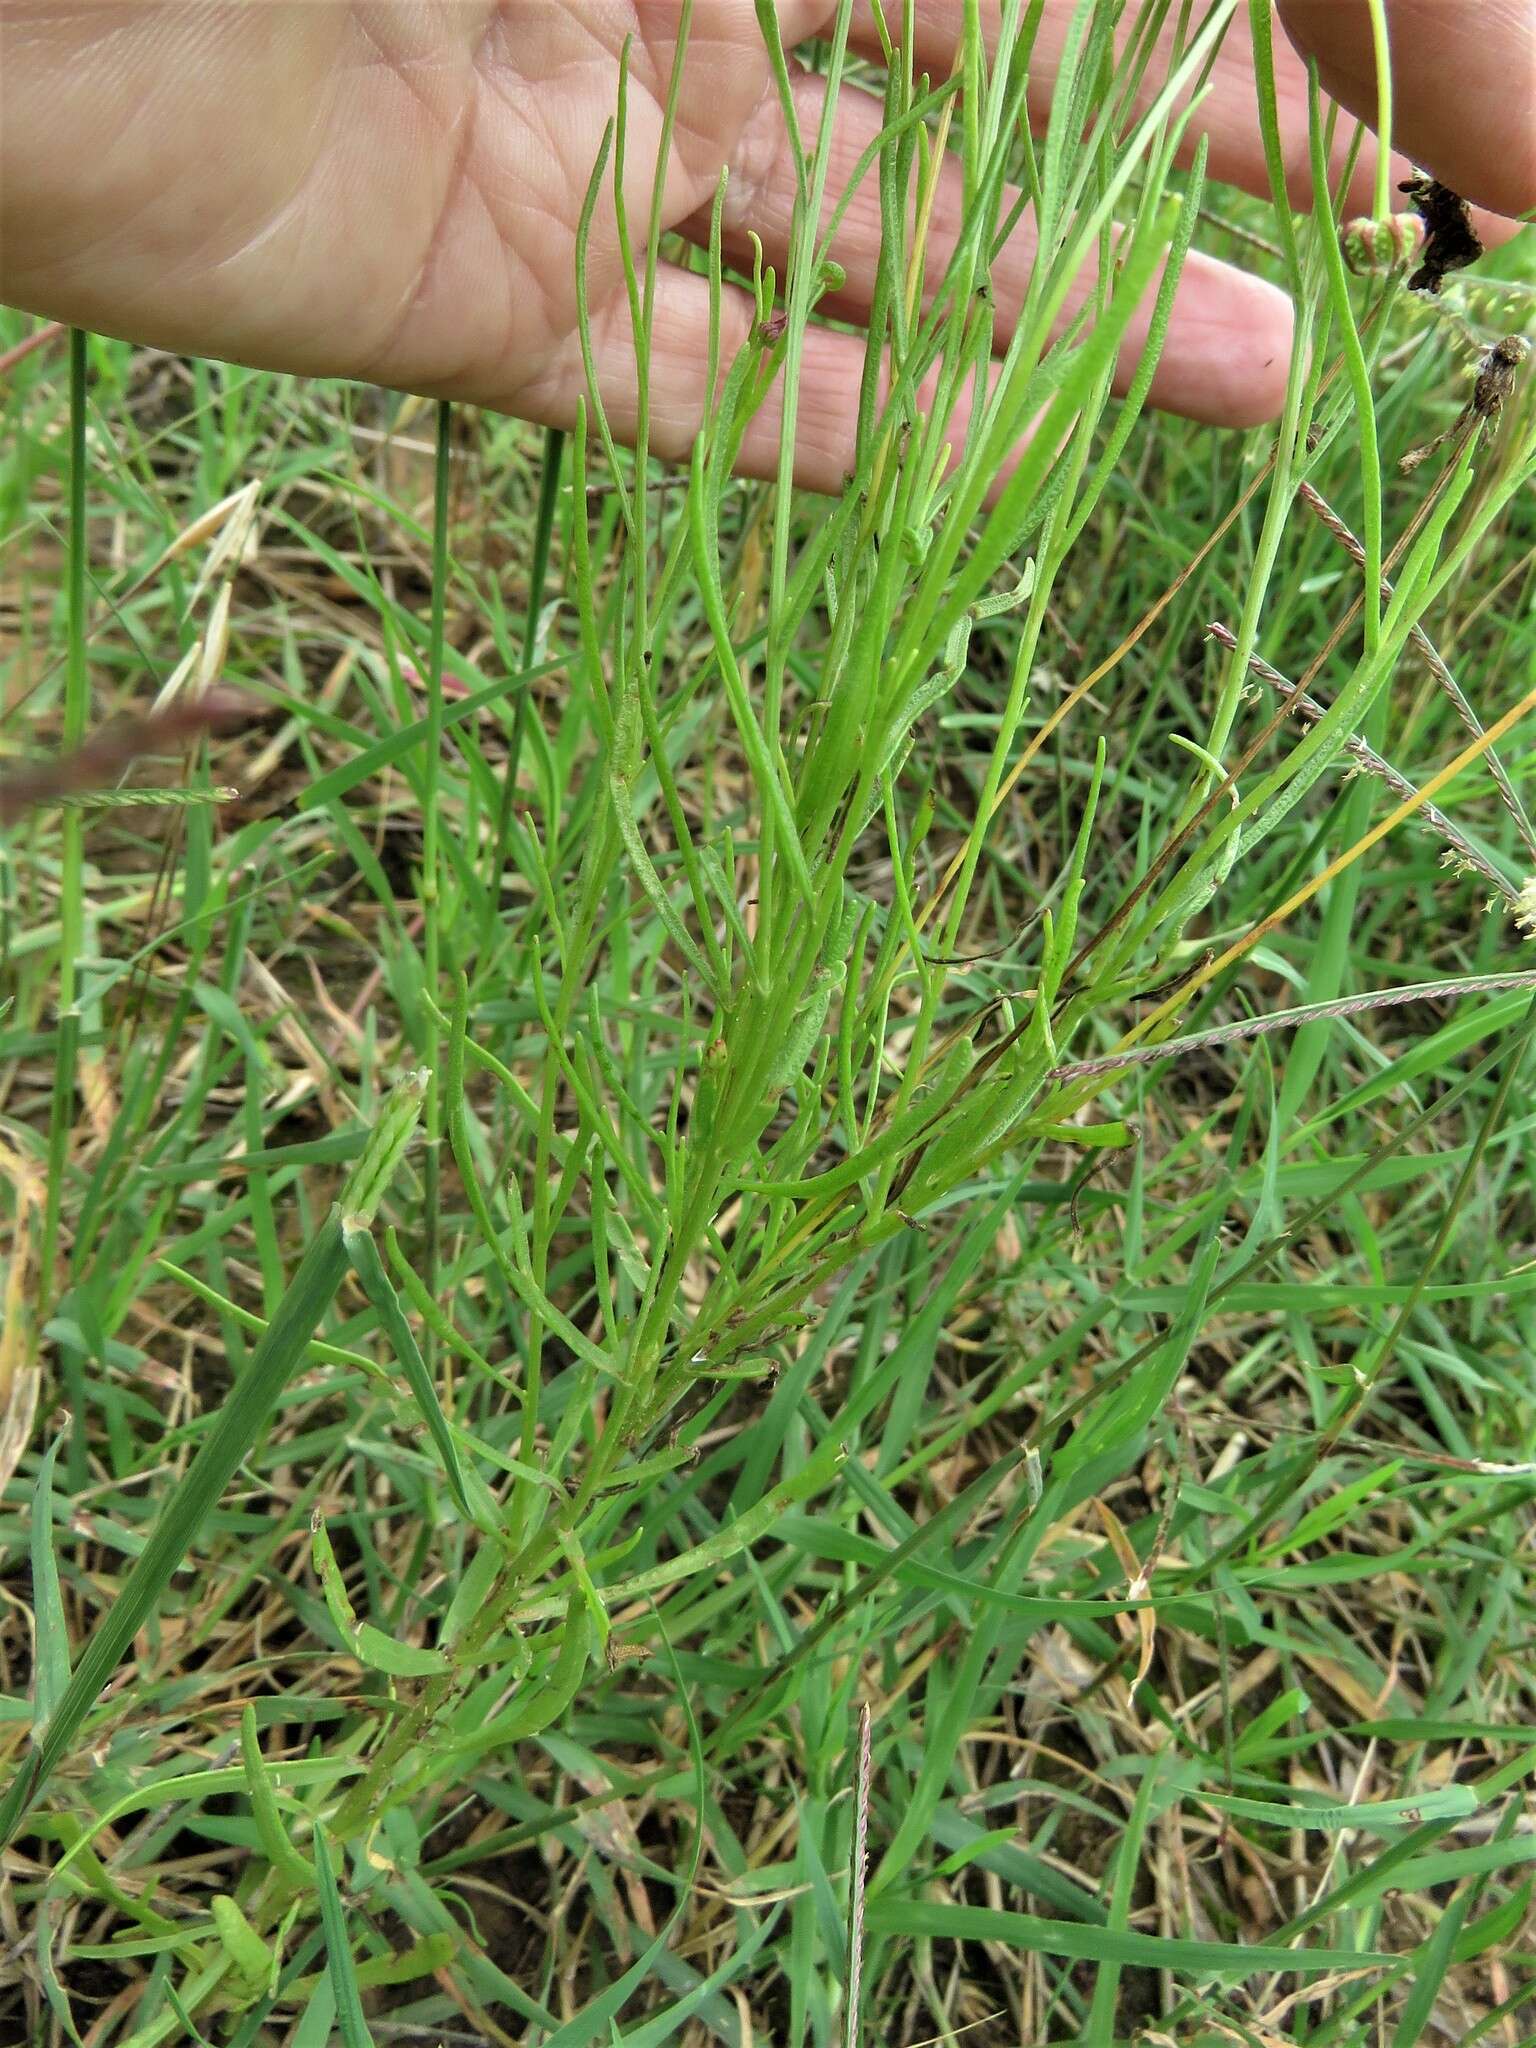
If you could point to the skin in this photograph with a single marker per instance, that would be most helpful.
(388, 190)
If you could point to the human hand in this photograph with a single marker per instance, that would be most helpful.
(389, 189)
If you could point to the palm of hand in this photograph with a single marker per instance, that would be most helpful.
(469, 129)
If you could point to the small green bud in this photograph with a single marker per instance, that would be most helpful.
(1373, 246)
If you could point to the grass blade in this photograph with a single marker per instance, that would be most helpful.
(338, 1953)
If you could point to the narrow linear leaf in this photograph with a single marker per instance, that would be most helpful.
(51, 1634)
(369, 1268)
(338, 1952)
(269, 1825)
(369, 1645)
(1074, 1942)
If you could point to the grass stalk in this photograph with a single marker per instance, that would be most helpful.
(77, 710)
(432, 907)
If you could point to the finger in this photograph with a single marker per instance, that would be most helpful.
(1227, 116)
(679, 402)
(1463, 85)
(831, 376)
(1229, 340)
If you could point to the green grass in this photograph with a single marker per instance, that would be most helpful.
(879, 1234)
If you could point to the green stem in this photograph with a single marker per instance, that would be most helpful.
(1356, 369)
(431, 859)
(538, 573)
(77, 706)
(1382, 51)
